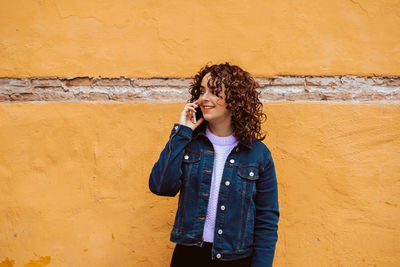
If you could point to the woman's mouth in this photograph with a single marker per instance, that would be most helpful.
(208, 107)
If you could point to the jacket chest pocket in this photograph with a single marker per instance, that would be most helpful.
(246, 182)
(190, 163)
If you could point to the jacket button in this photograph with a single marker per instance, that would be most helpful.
(232, 161)
(218, 256)
(237, 149)
(186, 156)
(227, 183)
(176, 127)
(251, 173)
(220, 232)
(222, 207)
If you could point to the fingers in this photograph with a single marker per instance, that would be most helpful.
(188, 111)
(191, 106)
(199, 121)
(194, 104)
(187, 115)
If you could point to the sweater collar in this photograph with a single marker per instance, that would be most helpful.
(221, 140)
(201, 131)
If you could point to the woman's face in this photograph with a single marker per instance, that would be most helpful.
(213, 107)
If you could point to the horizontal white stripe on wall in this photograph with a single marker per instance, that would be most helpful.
(280, 88)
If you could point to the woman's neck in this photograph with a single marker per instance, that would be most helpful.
(220, 129)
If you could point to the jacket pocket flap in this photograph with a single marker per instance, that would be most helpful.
(191, 157)
(249, 172)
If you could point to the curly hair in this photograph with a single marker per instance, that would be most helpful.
(242, 98)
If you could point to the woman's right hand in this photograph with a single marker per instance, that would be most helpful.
(187, 115)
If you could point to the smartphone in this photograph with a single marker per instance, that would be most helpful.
(197, 115)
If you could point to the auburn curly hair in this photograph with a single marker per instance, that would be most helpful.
(241, 98)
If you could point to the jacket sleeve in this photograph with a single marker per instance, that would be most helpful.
(267, 216)
(166, 174)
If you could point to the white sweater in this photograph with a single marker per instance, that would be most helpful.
(222, 147)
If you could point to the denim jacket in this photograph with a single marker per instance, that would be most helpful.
(247, 225)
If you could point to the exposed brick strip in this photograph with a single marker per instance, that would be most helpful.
(281, 88)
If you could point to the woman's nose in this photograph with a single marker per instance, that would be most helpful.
(204, 96)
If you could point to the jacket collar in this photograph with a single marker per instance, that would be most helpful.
(201, 131)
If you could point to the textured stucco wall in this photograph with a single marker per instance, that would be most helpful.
(74, 176)
(74, 183)
(174, 38)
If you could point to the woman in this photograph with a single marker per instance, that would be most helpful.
(228, 208)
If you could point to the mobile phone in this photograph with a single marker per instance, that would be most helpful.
(197, 115)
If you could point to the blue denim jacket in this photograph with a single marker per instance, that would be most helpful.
(248, 190)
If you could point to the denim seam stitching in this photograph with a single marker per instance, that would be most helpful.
(242, 213)
(184, 199)
(248, 215)
(184, 135)
(165, 165)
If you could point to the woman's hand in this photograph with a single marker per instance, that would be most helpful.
(187, 115)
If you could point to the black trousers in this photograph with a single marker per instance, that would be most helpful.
(193, 256)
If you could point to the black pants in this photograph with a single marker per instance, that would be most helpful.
(193, 256)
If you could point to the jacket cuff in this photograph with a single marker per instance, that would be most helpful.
(182, 130)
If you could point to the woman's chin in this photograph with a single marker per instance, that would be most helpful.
(207, 118)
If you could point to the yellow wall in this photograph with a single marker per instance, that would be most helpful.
(74, 176)
(175, 38)
(75, 183)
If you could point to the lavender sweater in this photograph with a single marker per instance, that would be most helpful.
(222, 147)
